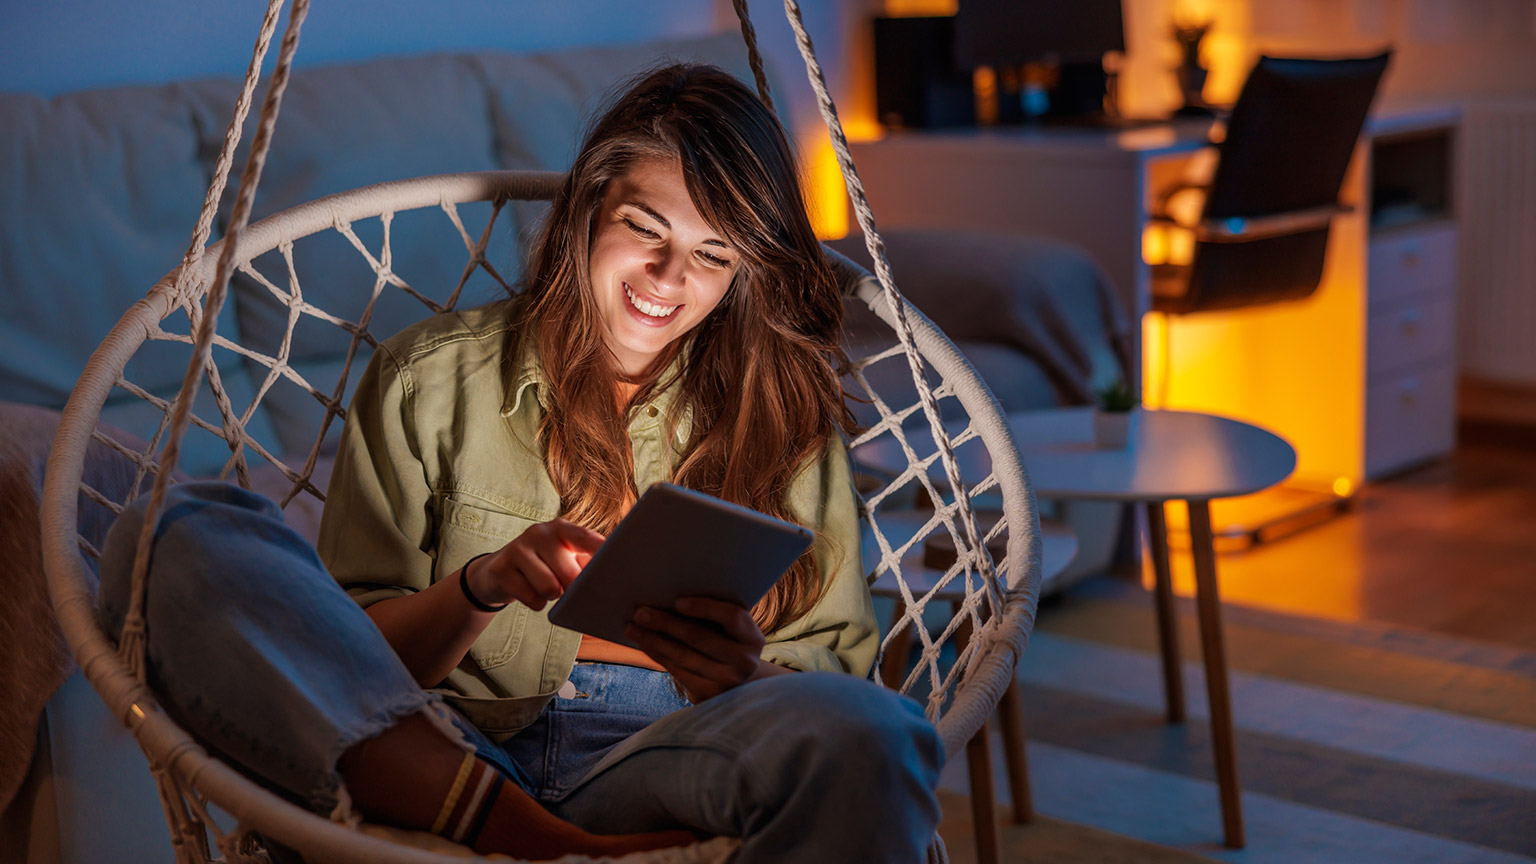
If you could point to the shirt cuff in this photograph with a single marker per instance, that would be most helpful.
(802, 656)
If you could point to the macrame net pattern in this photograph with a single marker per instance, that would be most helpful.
(969, 622)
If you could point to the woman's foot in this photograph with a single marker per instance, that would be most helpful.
(412, 776)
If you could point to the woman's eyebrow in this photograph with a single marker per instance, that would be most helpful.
(653, 214)
(639, 205)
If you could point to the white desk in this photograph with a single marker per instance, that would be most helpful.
(1360, 381)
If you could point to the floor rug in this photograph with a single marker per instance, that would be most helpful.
(1050, 840)
(1355, 743)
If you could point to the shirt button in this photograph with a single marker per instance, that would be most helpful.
(651, 411)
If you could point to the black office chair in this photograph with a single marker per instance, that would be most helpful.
(1263, 231)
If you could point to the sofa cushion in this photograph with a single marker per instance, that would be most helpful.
(102, 190)
(542, 103)
(343, 127)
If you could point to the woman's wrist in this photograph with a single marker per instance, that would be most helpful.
(477, 599)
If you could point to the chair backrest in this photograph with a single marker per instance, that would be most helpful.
(1288, 143)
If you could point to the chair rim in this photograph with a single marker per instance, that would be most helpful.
(168, 744)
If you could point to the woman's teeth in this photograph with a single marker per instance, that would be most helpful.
(648, 308)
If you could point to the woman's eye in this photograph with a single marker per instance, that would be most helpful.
(715, 260)
(641, 229)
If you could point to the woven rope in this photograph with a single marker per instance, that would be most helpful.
(972, 548)
(754, 56)
(133, 644)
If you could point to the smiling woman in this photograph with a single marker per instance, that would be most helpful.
(678, 322)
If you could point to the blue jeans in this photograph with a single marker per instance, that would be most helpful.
(260, 655)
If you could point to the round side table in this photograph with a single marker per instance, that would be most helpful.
(1169, 456)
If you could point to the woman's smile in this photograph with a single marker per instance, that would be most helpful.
(654, 314)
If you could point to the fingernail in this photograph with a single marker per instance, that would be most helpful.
(645, 616)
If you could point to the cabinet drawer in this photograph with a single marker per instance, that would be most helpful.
(1410, 417)
(1409, 334)
(1406, 263)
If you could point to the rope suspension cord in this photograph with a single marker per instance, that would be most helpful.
(133, 645)
(876, 247)
(754, 57)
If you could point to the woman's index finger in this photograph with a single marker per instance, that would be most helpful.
(579, 538)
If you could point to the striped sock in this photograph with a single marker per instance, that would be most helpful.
(488, 814)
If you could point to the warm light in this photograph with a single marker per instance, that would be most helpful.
(1154, 360)
(1226, 54)
(826, 197)
(1181, 246)
(984, 86)
(1193, 13)
(1154, 244)
(909, 8)
(1342, 487)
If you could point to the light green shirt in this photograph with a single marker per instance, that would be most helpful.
(439, 462)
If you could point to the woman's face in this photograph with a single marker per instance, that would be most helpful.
(657, 268)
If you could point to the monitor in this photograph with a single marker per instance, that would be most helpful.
(1013, 32)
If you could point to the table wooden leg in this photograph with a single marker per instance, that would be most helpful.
(893, 666)
(978, 764)
(1011, 718)
(1167, 620)
(1208, 602)
(978, 761)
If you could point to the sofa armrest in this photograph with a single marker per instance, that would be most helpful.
(1042, 297)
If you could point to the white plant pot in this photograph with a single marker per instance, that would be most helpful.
(1111, 429)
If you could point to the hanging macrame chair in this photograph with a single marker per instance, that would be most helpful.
(965, 664)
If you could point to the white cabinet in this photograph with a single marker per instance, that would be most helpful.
(1410, 406)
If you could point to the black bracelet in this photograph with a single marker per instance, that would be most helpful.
(470, 595)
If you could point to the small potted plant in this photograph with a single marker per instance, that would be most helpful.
(1112, 417)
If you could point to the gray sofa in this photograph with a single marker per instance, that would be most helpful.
(101, 191)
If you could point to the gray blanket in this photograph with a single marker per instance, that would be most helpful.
(37, 659)
(1042, 297)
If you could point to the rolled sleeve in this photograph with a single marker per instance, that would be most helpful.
(839, 633)
(375, 531)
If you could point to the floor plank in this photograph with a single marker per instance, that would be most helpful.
(1450, 547)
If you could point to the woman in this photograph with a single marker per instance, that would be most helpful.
(678, 323)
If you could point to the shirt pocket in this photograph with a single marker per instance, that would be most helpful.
(468, 530)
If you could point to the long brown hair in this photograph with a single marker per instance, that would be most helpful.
(759, 376)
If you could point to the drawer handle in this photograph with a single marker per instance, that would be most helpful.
(1410, 319)
(1408, 391)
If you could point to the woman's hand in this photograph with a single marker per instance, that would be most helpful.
(709, 646)
(536, 567)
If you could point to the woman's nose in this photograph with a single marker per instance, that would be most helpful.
(668, 269)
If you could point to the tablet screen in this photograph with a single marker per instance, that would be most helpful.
(675, 543)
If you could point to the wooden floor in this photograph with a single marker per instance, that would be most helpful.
(1450, 547)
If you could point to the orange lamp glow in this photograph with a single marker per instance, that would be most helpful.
(1154, 243)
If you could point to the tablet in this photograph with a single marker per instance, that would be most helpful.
(675, 543)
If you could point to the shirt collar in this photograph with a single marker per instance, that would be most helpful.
(529, 372)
